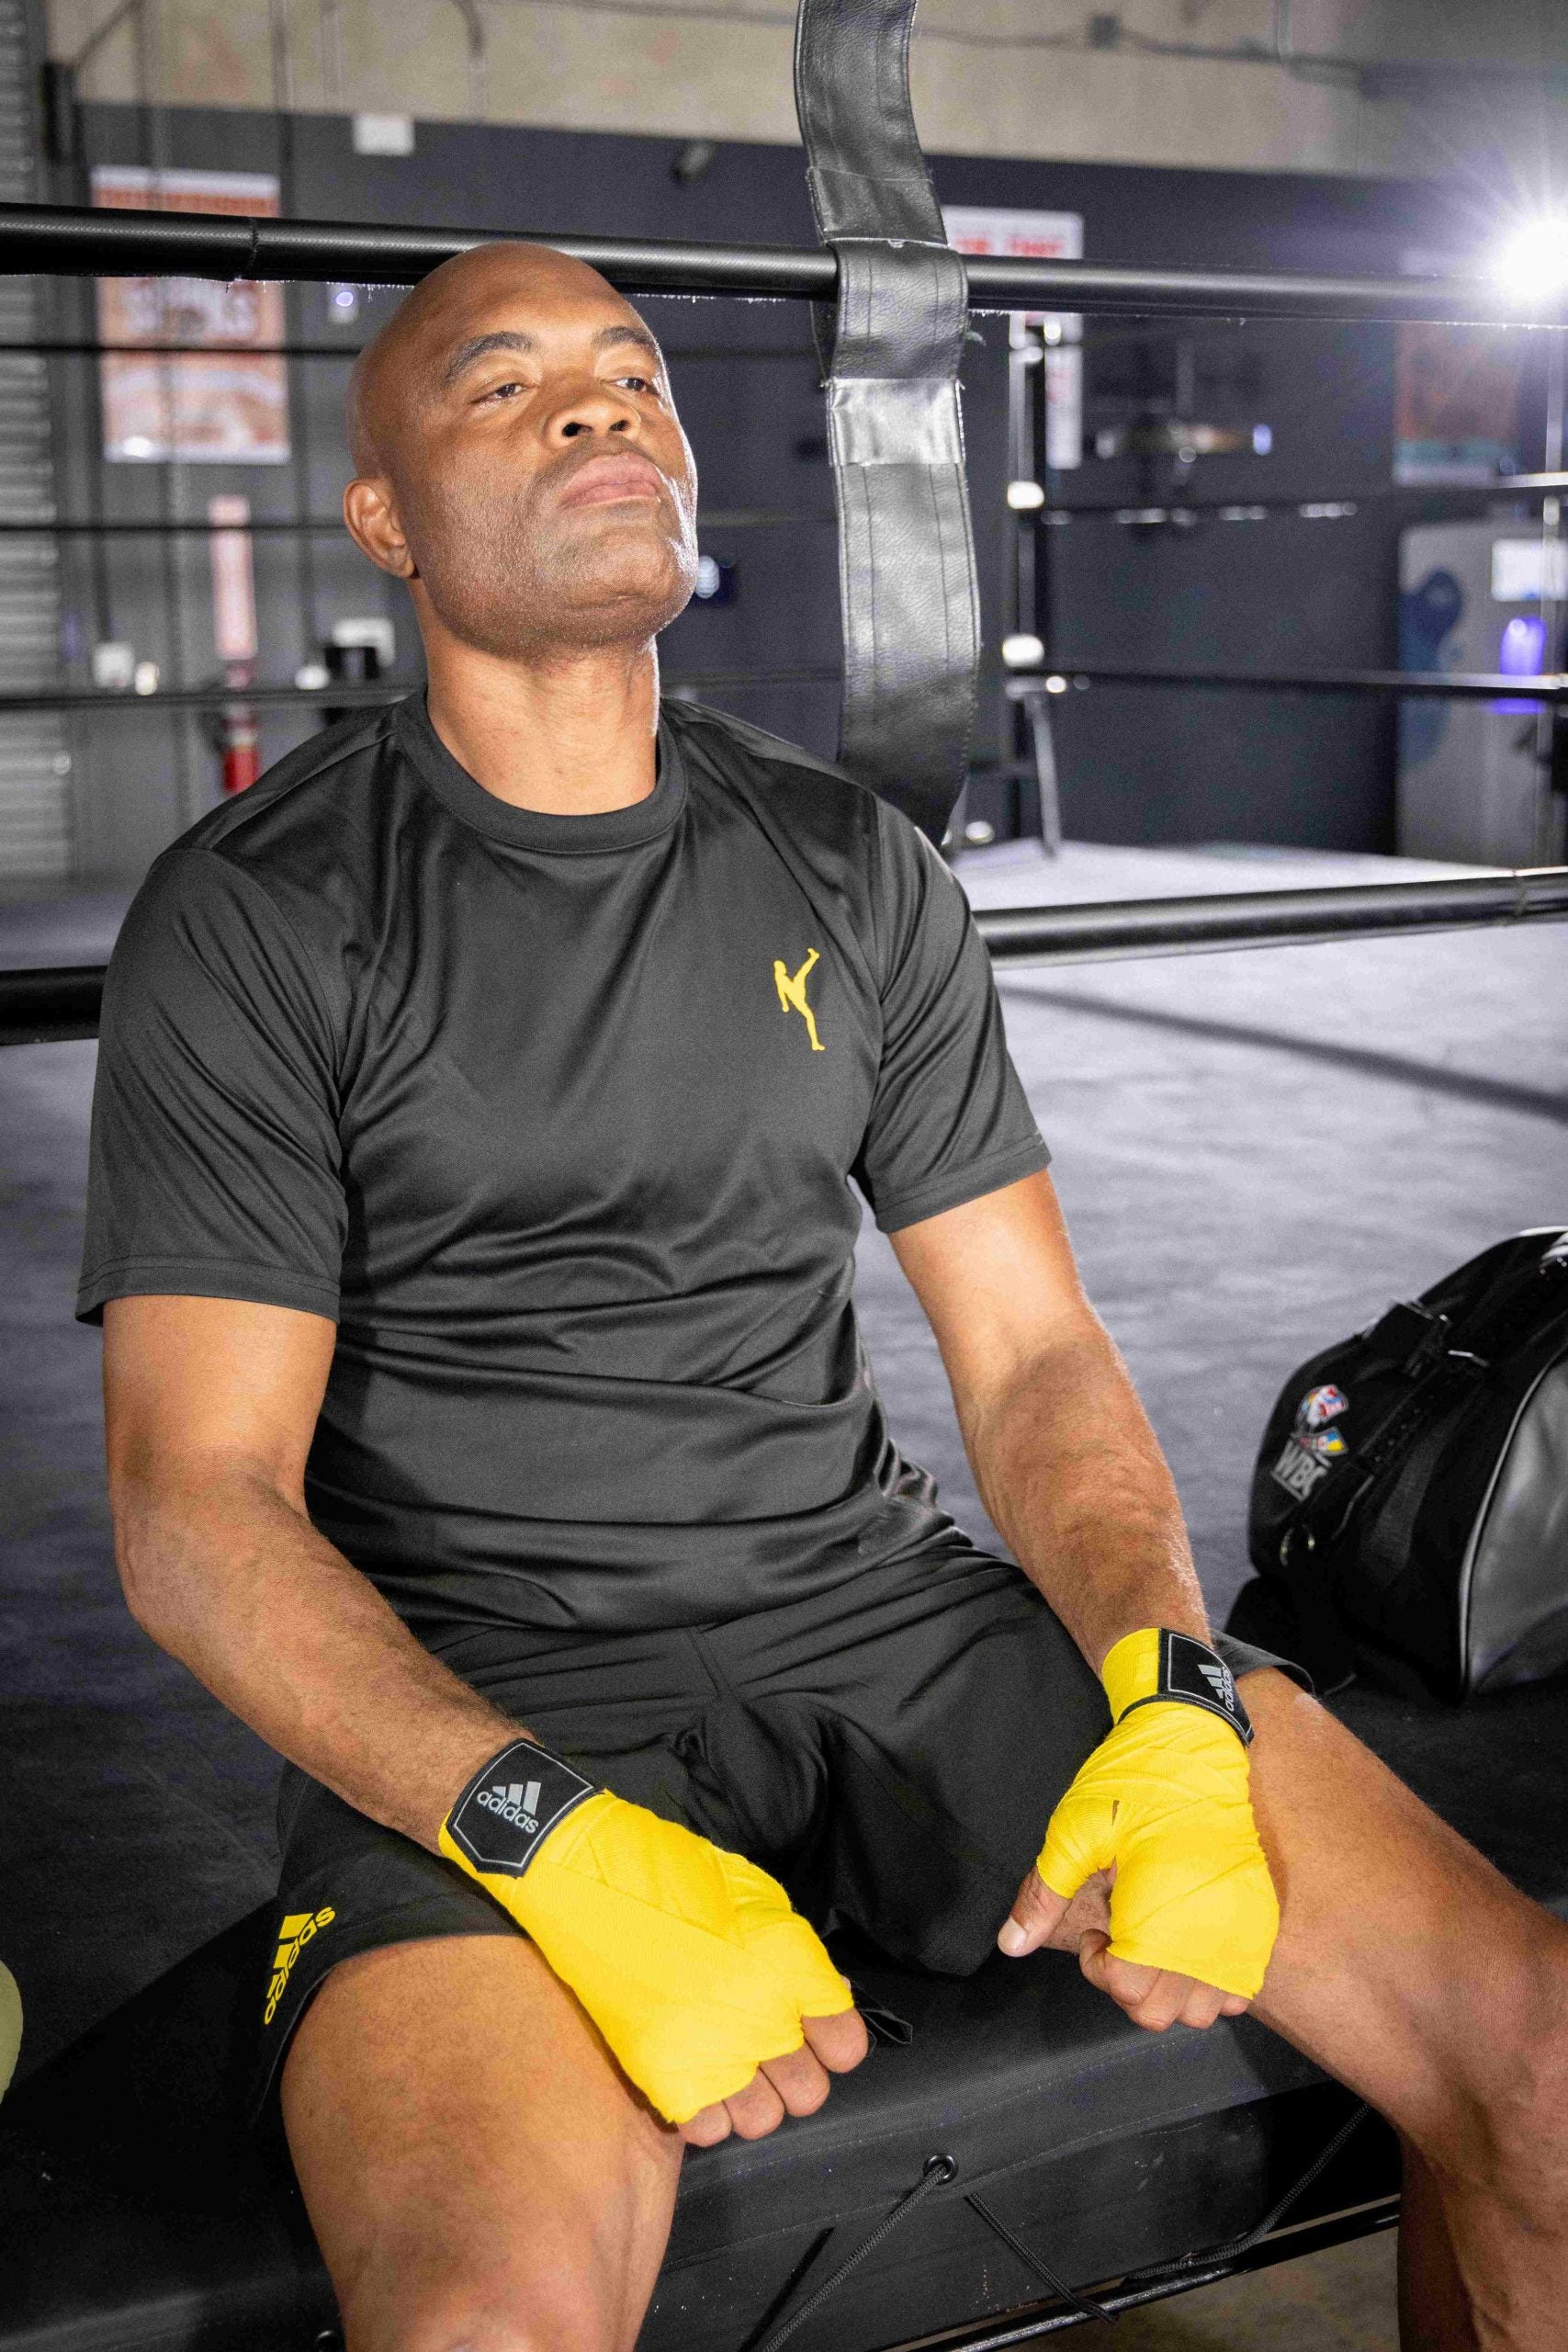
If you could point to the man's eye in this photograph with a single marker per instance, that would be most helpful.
(502, 391)
(638, 383)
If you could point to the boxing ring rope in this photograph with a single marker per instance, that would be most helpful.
(80, 241)
(161, 526)
(53, 1004)
(1396, 685)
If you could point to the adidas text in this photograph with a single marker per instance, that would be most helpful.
(1218, 1678)
(292, 1937)
(515, 1802)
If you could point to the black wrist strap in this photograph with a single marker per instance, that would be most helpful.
(1197, 1676)
(510, 1807)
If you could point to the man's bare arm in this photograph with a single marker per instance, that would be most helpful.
(1062, 1451)
(210, 1407)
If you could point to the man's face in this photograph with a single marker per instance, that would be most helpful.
(538, 487)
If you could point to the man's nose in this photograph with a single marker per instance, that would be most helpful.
(593, 408)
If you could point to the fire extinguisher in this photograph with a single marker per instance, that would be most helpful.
(235, 735)
(239, 736)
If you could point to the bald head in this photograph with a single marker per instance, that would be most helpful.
(481, 420)
(409, 354)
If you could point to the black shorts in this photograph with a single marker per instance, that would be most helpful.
(892, 1752)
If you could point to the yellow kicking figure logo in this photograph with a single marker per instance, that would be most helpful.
(791, 987)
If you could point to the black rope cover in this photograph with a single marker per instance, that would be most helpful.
(906, 585)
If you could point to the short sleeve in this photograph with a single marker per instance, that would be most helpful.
(215, 1166)
(949, 1120)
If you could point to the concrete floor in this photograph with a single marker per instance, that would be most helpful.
(1342, 2301)
(1257, 1152)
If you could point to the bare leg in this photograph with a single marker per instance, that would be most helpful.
(1410, 1969)
(476, 2171)
(1434, 2310)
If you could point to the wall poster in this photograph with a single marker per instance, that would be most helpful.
(226, 400)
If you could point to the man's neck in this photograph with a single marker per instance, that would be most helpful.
(572, 735)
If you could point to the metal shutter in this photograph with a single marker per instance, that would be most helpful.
(35, 764)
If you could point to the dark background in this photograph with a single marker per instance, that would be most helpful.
(1137, 765)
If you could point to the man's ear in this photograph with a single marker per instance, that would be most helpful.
(373, 526)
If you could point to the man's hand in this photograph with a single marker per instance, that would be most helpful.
(1161, 1813)
(716, 1998)
(1153, 1997)
(793, 2085)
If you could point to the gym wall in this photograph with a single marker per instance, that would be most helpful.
(1213, 83)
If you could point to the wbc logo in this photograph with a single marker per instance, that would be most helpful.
(1314, 1445)
(1318, 1409)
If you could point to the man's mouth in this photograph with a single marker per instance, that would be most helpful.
(603, 480)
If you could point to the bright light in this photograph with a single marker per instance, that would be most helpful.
(1535, 259)
(1021, 652)
(1023, 497)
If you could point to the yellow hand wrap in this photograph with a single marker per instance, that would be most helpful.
(1164, 1801)
(690, 1960)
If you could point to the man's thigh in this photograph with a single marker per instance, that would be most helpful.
(476, 2170)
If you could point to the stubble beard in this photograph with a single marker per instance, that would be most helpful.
(509, 584)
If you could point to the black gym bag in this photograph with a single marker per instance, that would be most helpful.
(1410, 1504)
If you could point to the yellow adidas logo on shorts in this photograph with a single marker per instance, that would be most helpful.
(293, 1936)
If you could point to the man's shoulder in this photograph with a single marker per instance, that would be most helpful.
(301, 835)
(725, 741)
(817, 801)
(320, 784)
(287, 854)
(811, 789)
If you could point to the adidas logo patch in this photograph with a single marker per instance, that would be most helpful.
(514, 1800)
(292, 1937)
(1218, 1677)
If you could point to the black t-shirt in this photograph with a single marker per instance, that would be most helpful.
(557, 1116)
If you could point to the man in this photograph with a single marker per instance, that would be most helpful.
(489, 1428)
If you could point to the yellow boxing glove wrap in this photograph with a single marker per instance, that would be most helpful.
(691, 1962)
(1164, 1802)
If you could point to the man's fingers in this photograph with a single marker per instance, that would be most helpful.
(1155, 1998)
(707, 2128)
(800, 2080)
(756, 2111)
(1035, 1915)
(1151, 1997)
(839, 2041)
(795, 2085)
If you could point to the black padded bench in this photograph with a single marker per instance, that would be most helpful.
(138, 2213)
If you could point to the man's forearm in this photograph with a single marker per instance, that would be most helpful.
(1073, 1475)
(238, 1585)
